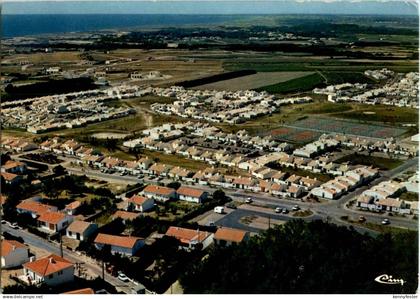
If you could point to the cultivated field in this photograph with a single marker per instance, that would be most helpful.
(253, 81)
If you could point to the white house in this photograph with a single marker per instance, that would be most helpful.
(140, 203)
(191, 194)
(190, 238)
(13, 253)
(51, 270)
(159, 193)
(81, 230)
(53, 222)
(119, 244)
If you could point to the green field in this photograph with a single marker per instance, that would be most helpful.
(378, 162)
(346, 77)
(381, 113)
(295, 85)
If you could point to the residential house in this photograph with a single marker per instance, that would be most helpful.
(190, 238)
(34, 208)
(11, 178)
(124, 215)
(15, 167)
(13, 254)
(71, 208)
(119, 244)
(191, 194)
(51, 270)
(54, 222)
(159, 193)
(140, 203)
(225, 236)
(81, 230)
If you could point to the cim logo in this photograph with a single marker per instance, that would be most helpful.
(388, 279)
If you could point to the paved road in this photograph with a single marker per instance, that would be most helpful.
(89, 264)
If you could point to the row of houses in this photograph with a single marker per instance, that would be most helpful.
(384, 198)
(340, 185)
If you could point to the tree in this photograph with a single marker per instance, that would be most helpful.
(307, 257)
(59, 170)
(174, 185)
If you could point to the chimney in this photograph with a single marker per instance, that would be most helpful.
(32, 258)
(13, 248)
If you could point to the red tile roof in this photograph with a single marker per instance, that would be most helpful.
(52, 217)
(81, 291)
(186, 235)
(187, 191)
(73, 205)
(48, 265)
(7, 246)
(35, 207)
(158, 190)
(230, 234)
(9, 176)
(125, 215)
(121, 241)
(138, 200)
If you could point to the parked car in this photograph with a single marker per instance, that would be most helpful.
(362, 219)
(386, 221)
(278, 210)
(123, 277)
(296, 208)
(219, 210)
(285, 211)
(230, 206)
(248, 200)
(14, 225)
(4, 222)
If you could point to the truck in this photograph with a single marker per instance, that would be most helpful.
(219, 210)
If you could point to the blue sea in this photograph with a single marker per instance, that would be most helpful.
(23, 25)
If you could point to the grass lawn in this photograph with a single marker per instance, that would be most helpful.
(346, 77)
(379, 162)
(295, 85)
(175, 160)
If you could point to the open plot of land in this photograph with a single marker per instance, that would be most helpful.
(295, 135)
(381, 113)
(330, 125)
(379, 162)
(300, 84)
(253, 81)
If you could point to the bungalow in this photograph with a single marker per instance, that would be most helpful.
(53, 222)
(144, 163)
(13, 254)
(15, 167)
(11, 178)
(229, 236)
(70, 146)
(110, 162)
(34, 208)
(84, 291)
(244, 183)
(191, 194)
(392, 205)
(278, 189)
(71, 208)
(159, 193)
(51, 270)
(119, 244)
(160, 169)
(124, 215)
(180, 173)
(92, 160)
(140, 204)
(81, 230)
(190, 238)
(295, 191)
(366, 202)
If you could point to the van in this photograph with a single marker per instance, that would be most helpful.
(219, 210)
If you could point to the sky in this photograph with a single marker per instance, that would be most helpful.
(409, 7)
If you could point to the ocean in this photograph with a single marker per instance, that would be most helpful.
(24, 25)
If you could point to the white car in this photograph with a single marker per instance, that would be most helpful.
(248, 200)
(386, 221)
(278, 210)
(123, 277)
(14, 225)
(296, 208)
